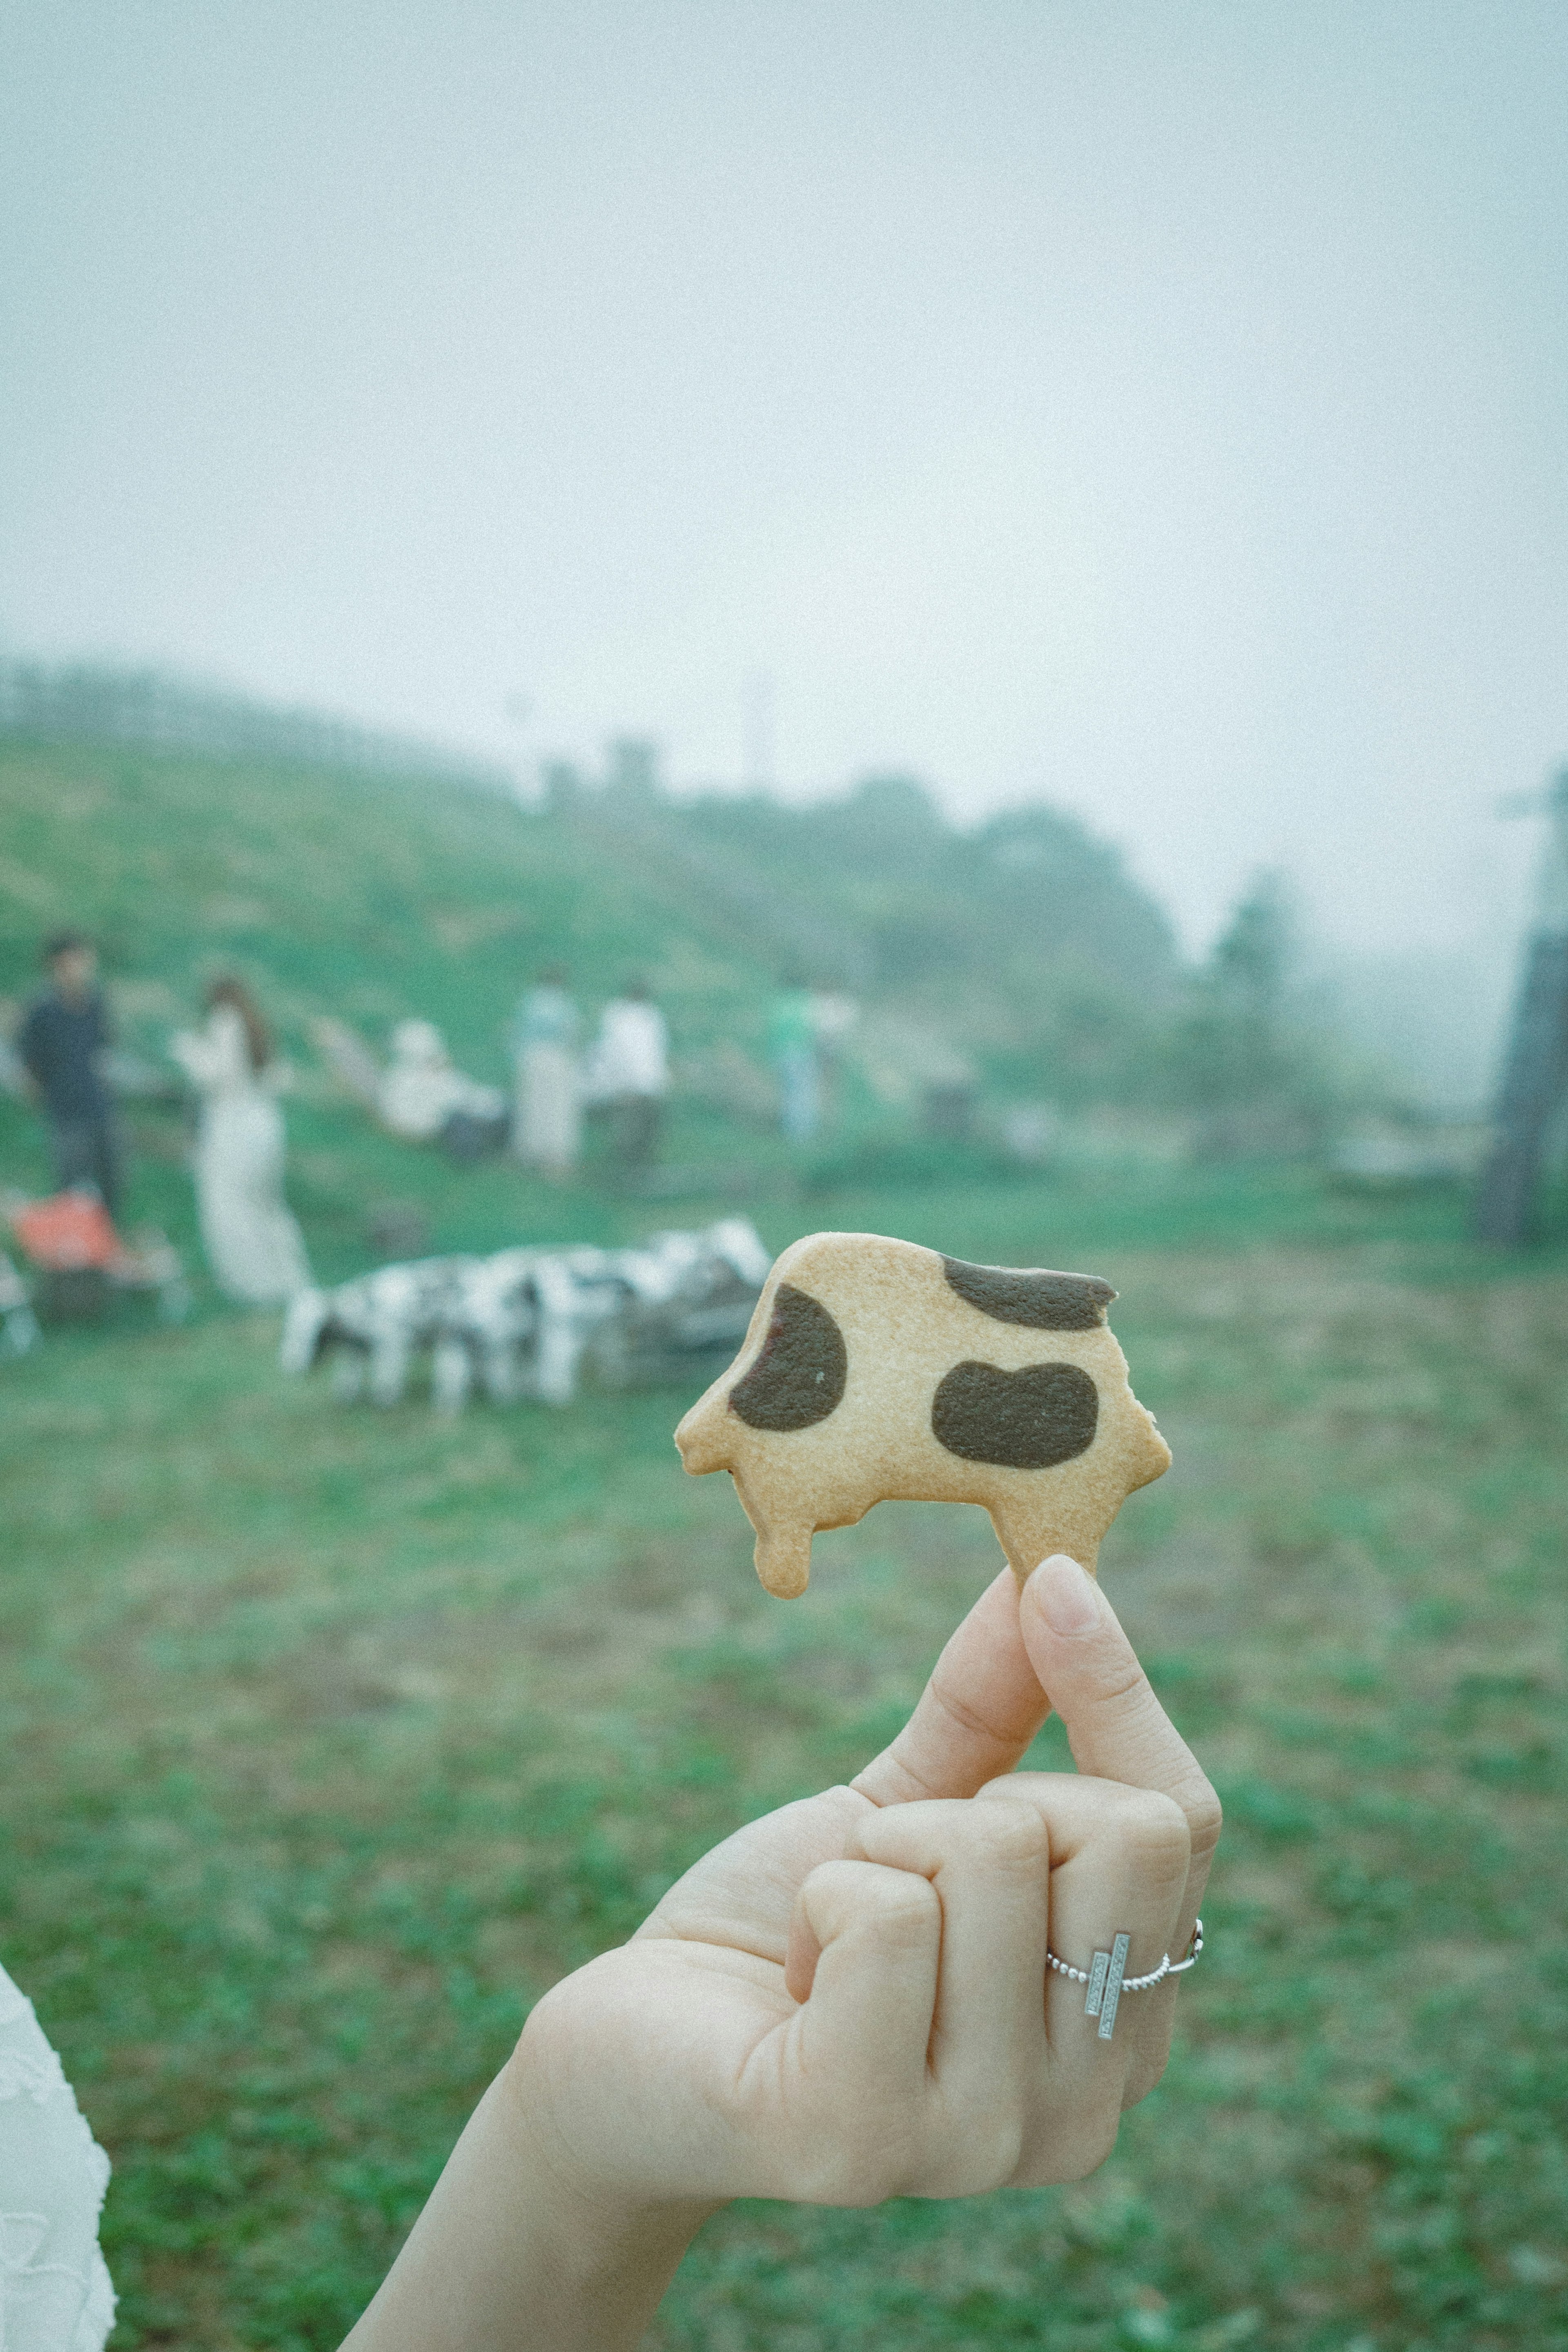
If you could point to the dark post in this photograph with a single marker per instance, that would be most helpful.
(1535, 1067)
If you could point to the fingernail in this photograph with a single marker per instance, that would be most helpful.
(1066, 1596)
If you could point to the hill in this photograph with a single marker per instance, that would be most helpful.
(1022, 947)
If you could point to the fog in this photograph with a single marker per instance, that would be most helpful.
(1156, 410)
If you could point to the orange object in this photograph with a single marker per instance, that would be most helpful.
(67, 1232)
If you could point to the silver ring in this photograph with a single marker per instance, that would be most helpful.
(1106, 1978)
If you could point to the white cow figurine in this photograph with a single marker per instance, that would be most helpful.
(372, 1327)
(522, 1321)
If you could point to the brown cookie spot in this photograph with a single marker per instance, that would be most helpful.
(1043, 1302)
(1027, 1420)
(799, 1377)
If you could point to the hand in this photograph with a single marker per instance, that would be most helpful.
(847, 2001)
(844, 2001)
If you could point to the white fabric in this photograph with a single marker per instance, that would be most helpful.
(546, 1131)
(631, 1052)
(252, 1243)
(55, 2295)
(421, 1089)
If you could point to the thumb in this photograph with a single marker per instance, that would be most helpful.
(863, 1954)
(974, 1718)
(1116, 1729)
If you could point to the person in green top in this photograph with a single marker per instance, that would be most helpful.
(792, 1049)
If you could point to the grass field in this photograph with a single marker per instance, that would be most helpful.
(334, 1737)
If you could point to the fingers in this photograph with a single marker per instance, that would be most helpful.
(1120, 1862)
(1120, 1859)
(976, 1716)
(951, 2056)
(989, 1864)
(867, 1942)
(936, 2051)
(1116, 1726)
(945, 2030)
(743, 1893)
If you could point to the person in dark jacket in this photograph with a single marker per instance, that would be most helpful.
(62, 1044)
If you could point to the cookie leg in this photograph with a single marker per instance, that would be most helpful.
(783, 1559)
(1027, 1537)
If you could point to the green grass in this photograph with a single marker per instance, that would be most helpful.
(334, 1737)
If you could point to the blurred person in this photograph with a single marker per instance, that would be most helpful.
(13, 1077)
(253, 1245)
(423, 1098)
(547, 1123)
(832, 1019)
(629, 1074)
(62, 1044)
(792, 1050)
(875, 1992)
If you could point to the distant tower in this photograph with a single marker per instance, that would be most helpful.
(1535, 1068)
(759, 746)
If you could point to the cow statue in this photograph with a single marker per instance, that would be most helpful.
(523, 1322)
(372, 1327)
(874, 1370)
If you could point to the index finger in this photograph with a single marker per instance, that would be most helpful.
(1116, 1728)
(976, 1716)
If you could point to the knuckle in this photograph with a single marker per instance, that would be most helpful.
(1084, 2147)
(1014, 1835)
(1006, 1789)
(1156, 1829)
(948, 1697)
(926, 1816)
(827, 1891)
(971, 2156)
(864, 2165)
(904, 1906)
(992, 2156)
(1205, 1817)
(1111, 1680)
(906, 1836)
(1145, 2074)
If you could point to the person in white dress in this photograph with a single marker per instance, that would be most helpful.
(629, 1074)
(547, 1128)
(252, 1244)
(55, 2295)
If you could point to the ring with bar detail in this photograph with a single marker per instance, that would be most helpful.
(1106, 1978)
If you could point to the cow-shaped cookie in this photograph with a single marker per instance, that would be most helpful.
(874, 1370)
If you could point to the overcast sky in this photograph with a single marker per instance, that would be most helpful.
(1159, 409)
